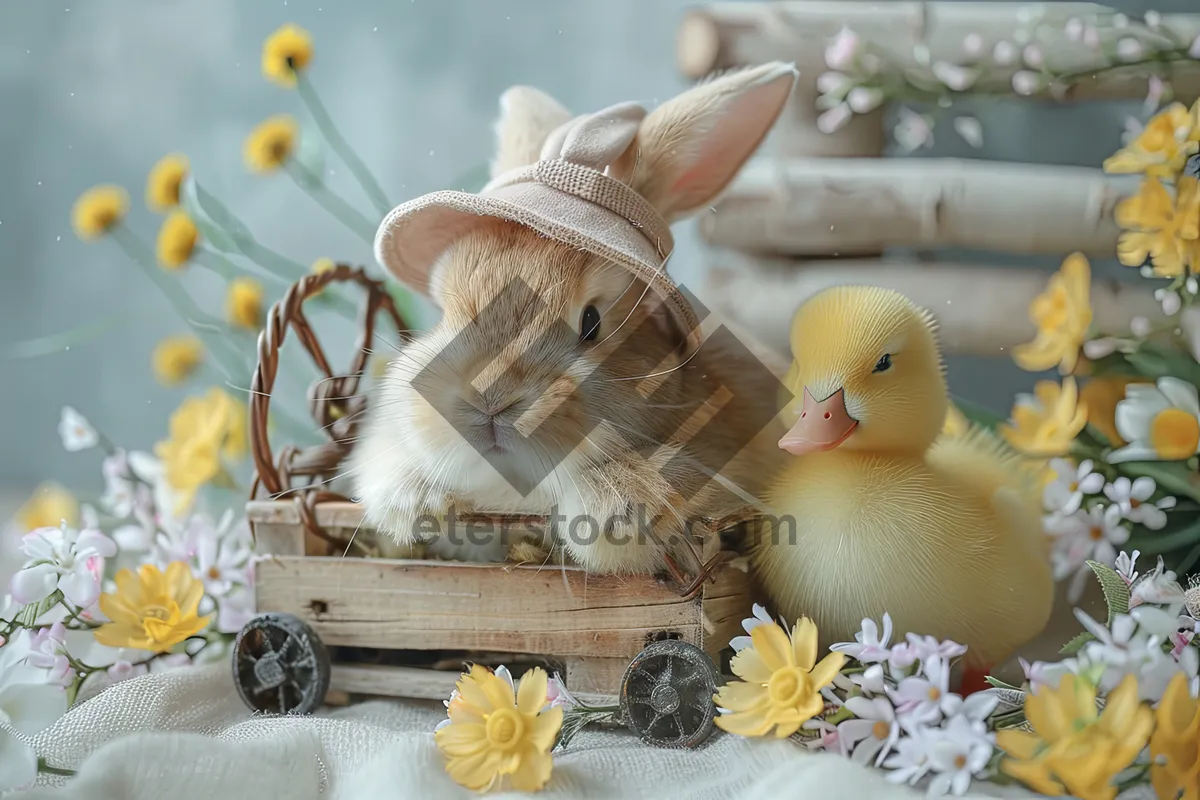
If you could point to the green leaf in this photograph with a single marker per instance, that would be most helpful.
(28, 616)
(1075, 645)
(1158, 360)
(1153, 543)
(310, 154)
(1116, 592)
(210, 233)
(999, 684)
(980, 415)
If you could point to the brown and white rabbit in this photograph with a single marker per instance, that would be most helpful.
(601, 462)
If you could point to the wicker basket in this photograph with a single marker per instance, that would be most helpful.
(370, 626)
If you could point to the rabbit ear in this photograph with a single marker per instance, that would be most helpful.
(690, 147)
(527, 117)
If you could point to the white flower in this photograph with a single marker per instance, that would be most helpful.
(974, 708)
(868, 646)
(64, 559)
(1126, 566)
(1159, 588)
(833, 83)
(1130, 49)
(218, 554)
(1189, 323)
(835, 118)
(1194, 50)
(28, 705)
(864, 99)
(958, 752)
(1074, 29)
(872, 735)
(48, 651)
(1065, 493)
(973, 44)
(840, 53)
(911, 760)
(1171, 302)
(1033, 56)
(1123, 649)
(1093, 533)
(1161, 422)
(1099, 348)
(955, 77)
(1140, 326)
(1046, 673)
(1004, 53)
(760, 617)
(970, 129)
(927, 697)
(235, 609)
(1091, 36)
(1132, 496)
(913, 131)
(76, 432)
(870, 680)
(928, 647)
(1025, 82)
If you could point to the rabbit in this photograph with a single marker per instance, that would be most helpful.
(572, 354)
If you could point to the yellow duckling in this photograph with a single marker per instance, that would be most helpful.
(942, 530)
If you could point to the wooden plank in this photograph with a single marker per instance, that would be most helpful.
(595, 677)
(385, 681)
(451, 605)
(855, 206)
(764, 293)
(716, 36)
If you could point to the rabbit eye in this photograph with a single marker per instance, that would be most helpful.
(884, 363)
(589, 324)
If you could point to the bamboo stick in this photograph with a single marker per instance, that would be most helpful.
(858, 206)
(727, 34)
(980, 310)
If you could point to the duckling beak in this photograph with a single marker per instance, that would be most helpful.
(821, 426)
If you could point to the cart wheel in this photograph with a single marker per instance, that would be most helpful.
(666, 694)
(280, 665)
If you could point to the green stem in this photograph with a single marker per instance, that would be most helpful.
(179, 299)
(46, 769)
(60, 342)
(325, 124)
(338, 208)
(228, 270)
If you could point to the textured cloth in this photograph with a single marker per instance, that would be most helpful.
(185, 735)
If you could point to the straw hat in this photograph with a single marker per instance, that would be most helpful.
(565, 195)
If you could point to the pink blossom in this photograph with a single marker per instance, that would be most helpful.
(1033, 56)
(1194, 50)
(48, 651)
(64, 559)
(124, 670)
(840, 53)
(973, 45)
(558, 695)
(1004, 53)
(912, 131)
(1025, 82)
(1091, 36)
(1130, 49)
(1074, 29)
(955, 77)
(832, 82)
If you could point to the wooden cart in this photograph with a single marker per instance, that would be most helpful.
(408, 627)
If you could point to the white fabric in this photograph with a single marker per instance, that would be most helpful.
(185, 735)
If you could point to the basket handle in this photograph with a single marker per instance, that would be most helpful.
(334, 402)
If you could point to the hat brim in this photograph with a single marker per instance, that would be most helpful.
(414, 235)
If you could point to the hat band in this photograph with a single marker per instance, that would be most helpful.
(596, 187)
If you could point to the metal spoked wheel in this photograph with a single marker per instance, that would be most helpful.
(666, 695)
(280, 665)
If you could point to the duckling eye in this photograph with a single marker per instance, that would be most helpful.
(589, 324)
(884, 363)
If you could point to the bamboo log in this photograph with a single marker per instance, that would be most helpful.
(728, 34)
(858, 206)
(980, 310)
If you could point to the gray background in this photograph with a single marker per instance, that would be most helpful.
(97, 93)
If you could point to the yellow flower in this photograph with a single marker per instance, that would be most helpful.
(781, 681)
(49, 507)
(1046, 422)
(176, 358)
(99, 210)
(1100, 396)
(493, 733)
(150, 610)
(1062, 315)
(1175, 743)
(203, 430)
(1163, 146)
(1159, 228)
(162, 186)
(1074, 748)
(244, 303)
(270, 144)
(177, 238)
(956, 424)
(286, 52)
